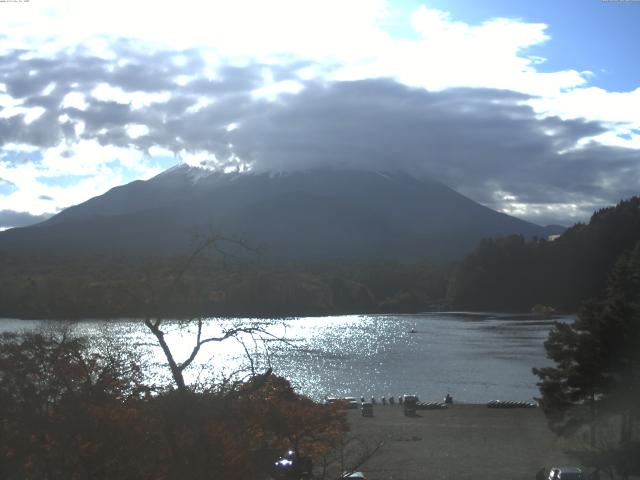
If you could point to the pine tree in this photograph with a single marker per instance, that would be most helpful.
(596, 377)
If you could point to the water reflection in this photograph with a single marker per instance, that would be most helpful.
(476, 357)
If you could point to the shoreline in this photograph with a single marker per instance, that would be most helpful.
(469, 313)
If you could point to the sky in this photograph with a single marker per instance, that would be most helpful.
(530, 108)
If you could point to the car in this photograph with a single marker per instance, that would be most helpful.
(352, 403)
(293, 465)
(410, 405)
(566, 473)
(367, 409)
(346, 402)
(359, 475)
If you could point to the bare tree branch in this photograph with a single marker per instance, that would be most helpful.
(213, 241)
(249, 357)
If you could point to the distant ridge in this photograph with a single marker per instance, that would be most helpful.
(316, 214)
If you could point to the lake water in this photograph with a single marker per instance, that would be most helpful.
(477, 357)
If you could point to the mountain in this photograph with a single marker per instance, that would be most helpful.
(324, 213)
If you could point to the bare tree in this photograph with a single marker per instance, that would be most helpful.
(155, 321)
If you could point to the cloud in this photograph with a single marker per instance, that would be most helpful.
(6, 186)
(241, 28)
(463, 103)
(490, 144)
(11, 218)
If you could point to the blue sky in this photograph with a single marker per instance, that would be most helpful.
(586, 34)
(535, 104)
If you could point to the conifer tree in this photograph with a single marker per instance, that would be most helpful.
(596, 377)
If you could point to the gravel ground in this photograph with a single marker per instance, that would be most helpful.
(461, 442)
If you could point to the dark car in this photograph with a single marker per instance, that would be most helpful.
(410, 403)
(293, 466)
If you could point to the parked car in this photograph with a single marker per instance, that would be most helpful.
(291, 465)
(352, 402)
(359, 475)
(347, 402)
(566, 473)
(410, 403)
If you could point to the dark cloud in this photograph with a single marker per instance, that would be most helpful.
(478, 141)
(231, 80)
(485, 143)
(43, 132)
(26, 79)
(11, 218)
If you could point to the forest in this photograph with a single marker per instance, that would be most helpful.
(508, 273)
(515, 274)
(108, 287)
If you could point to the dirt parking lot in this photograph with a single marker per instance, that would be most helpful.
(461, 442)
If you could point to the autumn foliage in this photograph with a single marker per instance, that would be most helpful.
(69, 413)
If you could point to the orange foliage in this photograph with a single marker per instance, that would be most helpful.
(68, 414)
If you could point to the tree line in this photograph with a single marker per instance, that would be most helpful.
(112, 287)
(515, 274)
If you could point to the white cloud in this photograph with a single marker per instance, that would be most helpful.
(74, 100)
(49, 88)
(349, 38)
(87, 169)
(594, 103)
(20, 147)
(545, 214)
(197, 158)
(239, 28)
(617, 110)
(138, 99)
(29, 114)
(271, 91)
(201, 103)
(85, 158)
(11, 110)
(32, 114)
(160, 152)
(78, 128)
(455, 54)
(332, 40)
(137, 130)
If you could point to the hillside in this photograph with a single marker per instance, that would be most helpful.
(316, 214)
(511, 273)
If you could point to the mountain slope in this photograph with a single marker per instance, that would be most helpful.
(301, 215)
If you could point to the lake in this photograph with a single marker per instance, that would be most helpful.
(475, 356)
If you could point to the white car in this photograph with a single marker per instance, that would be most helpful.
(359, 475)
(566, 473)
